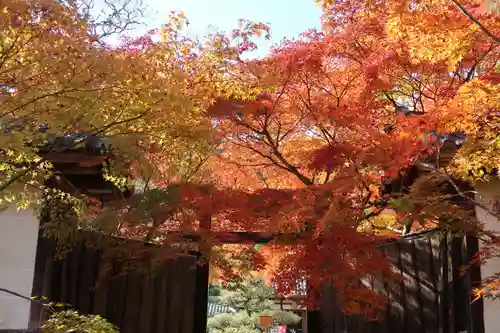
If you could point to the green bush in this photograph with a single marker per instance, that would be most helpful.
(71, 321)
(251, 299)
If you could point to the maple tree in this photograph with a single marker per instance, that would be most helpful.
(306, 138)
(59, 75)
(385, 86)
(462, 38)
(297, 144)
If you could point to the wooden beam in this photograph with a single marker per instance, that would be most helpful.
(81, 158)
(250, 237)
(237, 237)
(100, 191)
(75, 169)
(91, 181)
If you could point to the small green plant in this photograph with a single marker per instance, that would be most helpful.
(251, 299)
(70, 321)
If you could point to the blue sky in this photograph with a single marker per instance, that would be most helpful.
(288, 18)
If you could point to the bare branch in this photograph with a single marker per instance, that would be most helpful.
(13, 293)
(109, 17)
(458, 190)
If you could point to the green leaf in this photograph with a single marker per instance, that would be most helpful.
(421, 220)
(406, 222)
(402, 205)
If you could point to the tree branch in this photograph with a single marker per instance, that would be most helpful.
(13, 293)
(459, 191)
(291, 168)
(34, 300)
(475, 21)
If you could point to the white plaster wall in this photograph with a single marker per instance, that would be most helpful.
(488, 193)
(18, 241)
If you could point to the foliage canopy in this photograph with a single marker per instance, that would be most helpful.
(300, 142)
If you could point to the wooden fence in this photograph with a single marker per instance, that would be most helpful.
(172, 297)
(435, 296)
(130, 291)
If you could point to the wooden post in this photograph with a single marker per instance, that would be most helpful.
(304, 321)
(202, 275)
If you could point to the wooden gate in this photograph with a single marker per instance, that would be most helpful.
(435, 297)
(172, 295)
(130, 291)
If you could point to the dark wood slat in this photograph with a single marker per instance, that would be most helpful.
(466, 284)
(175, 290)
(415, 293)
(47, 276)
(424, 266)
(200, 293)
(44, 251)
(339, 319)
(381, 284)
(190, 297)
(328, 308)
(372, 325)
(201, 297)
(163, 300)
(410, 297)
(56, 281)
(74, 258)
(88, 279)
(117, 292)
(447, 292)
(352, 324)
(133, 303)
(147, 299)
(103, 277)
(42, 273)
(314, 321)
(65, 290)
(477, 307)
(435, 245)
(396, 289)
(460, 299)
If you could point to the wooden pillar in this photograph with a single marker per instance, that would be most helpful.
(313, 319)
(202, 275)
(477, 306)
